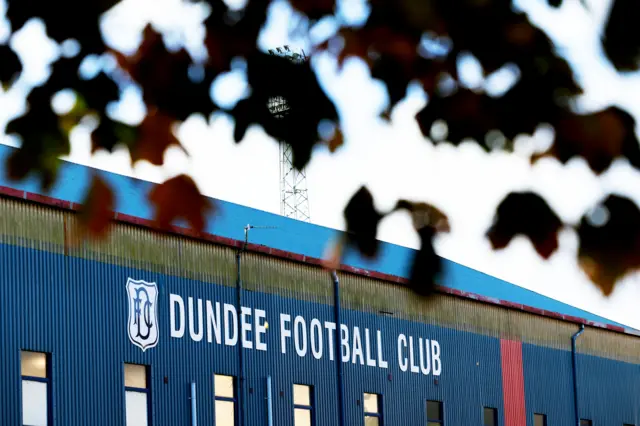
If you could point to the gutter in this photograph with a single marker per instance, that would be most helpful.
(574, 367)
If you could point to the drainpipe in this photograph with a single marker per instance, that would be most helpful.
(336, 302)
(194, 413)
(241, 412)
(269, 403)
(574, 365)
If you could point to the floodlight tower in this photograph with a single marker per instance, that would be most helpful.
(294, 198)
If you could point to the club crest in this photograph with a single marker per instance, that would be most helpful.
(142, 325)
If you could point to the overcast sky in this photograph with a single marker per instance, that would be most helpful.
(393, 159)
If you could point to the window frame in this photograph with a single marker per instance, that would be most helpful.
(312, 401)
(495, 414)
(233, 399)
(426, 412)
(544, 418)
(380, 412)
(146, 390)
(46, 380)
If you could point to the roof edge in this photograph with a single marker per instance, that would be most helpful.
(296, 257)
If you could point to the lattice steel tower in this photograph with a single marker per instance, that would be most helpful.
(294, 198)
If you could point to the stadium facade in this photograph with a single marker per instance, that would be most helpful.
(151, 328)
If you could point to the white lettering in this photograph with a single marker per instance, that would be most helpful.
(402, 360)
(245, 327)
(424, 356)
(284, 332)
(331, 327)
(300, 343)
(357, 347)
(381, 362)
(414, 367)
(175, 300)
(316, 338)
(213, 322)
(196, 337)
(230, 318)
(261, 329)
(435, 358)
(367, 346)
(344, 342)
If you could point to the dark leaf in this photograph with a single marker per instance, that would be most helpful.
(600, 138)
(232, 34)
(10, 65)
(43, 142)
(65, 19)
(610, 241)
(427, 265)
(467, 114)
(179, 198)
(362, 220)
(164, 78)
(621, 38)
(528, 214)
(110, 133)
(273, 76)
(154, 137)
(314, 9)
(97, 209)
(555, 3)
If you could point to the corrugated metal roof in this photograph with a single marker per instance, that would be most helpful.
(292, 236)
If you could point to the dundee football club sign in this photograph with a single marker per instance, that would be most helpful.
(142, 325)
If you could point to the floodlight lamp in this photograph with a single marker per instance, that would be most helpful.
(272, 52)
(279, 50)
(286, 47)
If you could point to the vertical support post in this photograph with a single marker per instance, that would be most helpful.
(574, 365)
(240, 354)
(336, 302)
(269, 403)
(194, 413)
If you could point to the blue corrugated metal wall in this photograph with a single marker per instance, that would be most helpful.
(609, 390)
(77, 309)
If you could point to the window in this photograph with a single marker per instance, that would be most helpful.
(490, 416)
(224, 388)
(34, 369)
(434, 413)
(302, 405)
(539, 419)
(585, 422)
(136, 390)
(372, 409)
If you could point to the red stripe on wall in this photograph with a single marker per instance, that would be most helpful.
(513, 383)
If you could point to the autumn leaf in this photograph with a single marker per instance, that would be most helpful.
(423, 214)
(97, 209)
(599, 138)
(362, 220)
(528, 214)
(154, 136)
(10, 65)
(610, 241)
(179, 198)
(165, 78)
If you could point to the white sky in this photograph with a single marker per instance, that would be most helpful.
(394, 159)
